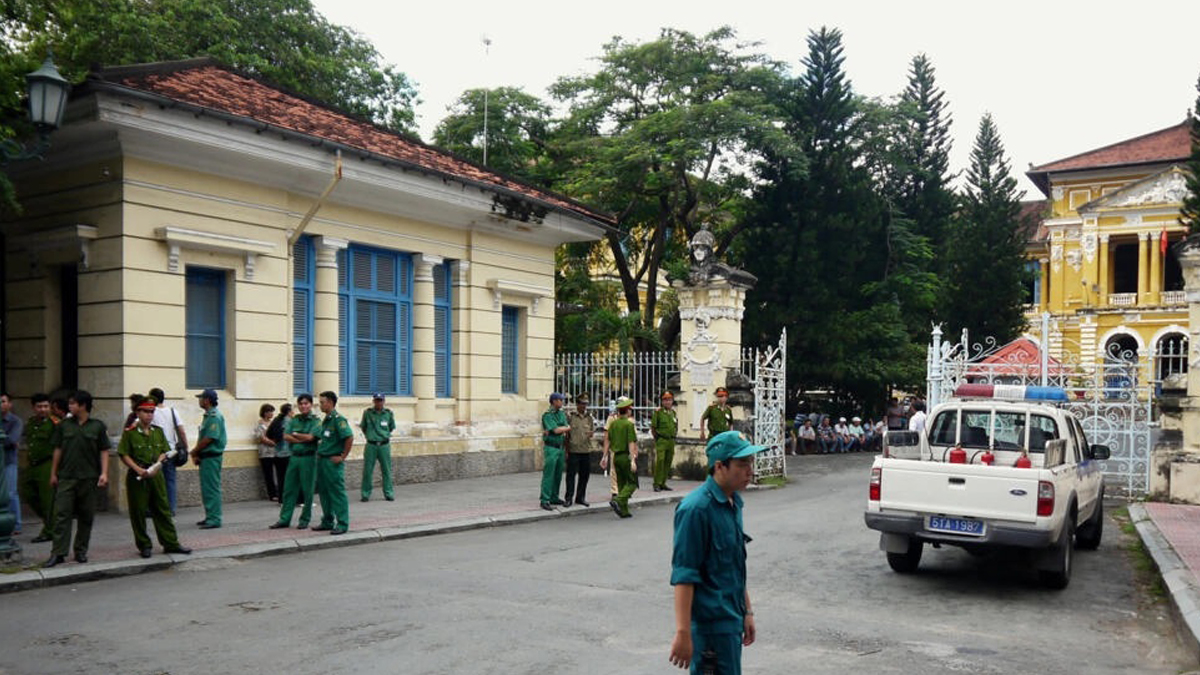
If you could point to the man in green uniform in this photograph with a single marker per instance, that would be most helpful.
(78, 468)
(622, 437)
(333, 446)
(377, 424)
(554, 436)
(208, 455)
(579, 451)
(717, 417)
(35, 480)
(663, 426)
(301, 436)
(142, 447)
(713, 618)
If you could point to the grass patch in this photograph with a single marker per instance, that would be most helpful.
(779, 481)
(1146, 571)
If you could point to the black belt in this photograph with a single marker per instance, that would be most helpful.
(379, 442)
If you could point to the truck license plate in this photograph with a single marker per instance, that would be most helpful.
(955, 526)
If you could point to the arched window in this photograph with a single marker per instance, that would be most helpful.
(1170, 355)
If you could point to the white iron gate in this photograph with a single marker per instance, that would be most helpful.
(770, 397)
(1110, 394)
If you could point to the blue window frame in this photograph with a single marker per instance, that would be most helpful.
(303, 282)
(510, 352)
(205, 328)
(443, 340)
(375, 321)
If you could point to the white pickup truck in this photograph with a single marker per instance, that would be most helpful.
(938, 486)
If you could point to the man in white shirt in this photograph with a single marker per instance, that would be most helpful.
(917, 421)
(845, 443)
(166, 418)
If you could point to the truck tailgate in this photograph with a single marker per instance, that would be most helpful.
(976, 491)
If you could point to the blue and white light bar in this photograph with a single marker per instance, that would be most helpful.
(1011, 392)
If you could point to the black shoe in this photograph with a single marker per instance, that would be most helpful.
(656, 488)
(208, 526)
(667, 489)
(557, 502)
(80, 557)
(389, 498)
(277, 526)
(201, 522)
(54, 560)
(566, 504)
(302, 525)
(182, 550)
(616, 509)
(146, 553)
(546, 506)
(41, 538)
(625, 515)
(582, 503)
(339, 530)
(365, 499)
(321, 528)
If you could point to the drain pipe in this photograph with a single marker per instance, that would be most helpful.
(312, 211)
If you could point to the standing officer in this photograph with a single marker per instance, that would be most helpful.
(79, 466)
(301, 435)
(333, 445)
(35, 481)
(377, 424)
(718, 417)
(622, 437)
(713, 618)
(579, 451)
(554, 437)
(141, 446)
(663, 426)
(208, 455)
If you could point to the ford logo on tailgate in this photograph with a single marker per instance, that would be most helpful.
(1017, 492)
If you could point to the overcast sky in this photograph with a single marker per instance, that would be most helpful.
(1059, 76)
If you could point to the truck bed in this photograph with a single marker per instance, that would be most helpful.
(966, 490)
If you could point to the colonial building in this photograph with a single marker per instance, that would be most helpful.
(197, 228)
(1101, 254)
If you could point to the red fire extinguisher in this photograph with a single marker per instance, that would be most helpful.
(1023, 462)
(958, 455)
(987, 458)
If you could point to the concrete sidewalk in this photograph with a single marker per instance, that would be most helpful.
(1171, 534)
(420, 509)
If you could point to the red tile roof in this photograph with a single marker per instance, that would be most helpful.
(1165, 145)
(207, 84)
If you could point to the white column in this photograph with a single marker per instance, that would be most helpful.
(325, 315)
(424, 370)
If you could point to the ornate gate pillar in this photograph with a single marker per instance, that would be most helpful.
(1174, 471)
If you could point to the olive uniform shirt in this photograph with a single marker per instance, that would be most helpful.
(377, 425)
(620, 434)
(81, 445)
(664, 424)
(213, 426)
(334, 430)
(38, 447)
(719, 419)
(144, 448)
(579, 438)
(551, 420)
(304, 424)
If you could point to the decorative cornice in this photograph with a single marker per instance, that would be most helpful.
(501, 287)
(178, 238)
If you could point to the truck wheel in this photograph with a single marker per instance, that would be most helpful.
(1058, 579)
(907, 562)
(1089, 535)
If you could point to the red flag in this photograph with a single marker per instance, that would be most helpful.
(1162, 242)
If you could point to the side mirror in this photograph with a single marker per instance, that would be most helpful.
(1101, 452)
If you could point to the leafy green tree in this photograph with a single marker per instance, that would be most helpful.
(819, 240)
(661, 137)
(1190, 214)
(518, 128)
(986, 253)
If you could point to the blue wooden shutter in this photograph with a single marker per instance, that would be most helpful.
(509, 353)
(442, 343)
(343, 274)
(205, 329)
(302, 314)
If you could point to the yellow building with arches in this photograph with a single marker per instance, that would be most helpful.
(1101, 253)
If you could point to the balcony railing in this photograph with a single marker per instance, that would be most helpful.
(1033, 310)
(1174, 298)
(1122, 299)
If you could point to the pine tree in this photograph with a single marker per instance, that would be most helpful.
(1190, 214)
(922, 159)
(985, 251)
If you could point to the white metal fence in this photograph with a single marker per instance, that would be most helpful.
(642, 376)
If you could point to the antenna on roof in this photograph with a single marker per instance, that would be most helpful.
(487, 50)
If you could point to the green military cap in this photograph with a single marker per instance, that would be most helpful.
(730, 445)
(624, 402)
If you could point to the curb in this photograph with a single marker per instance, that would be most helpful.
(1181, 583)
(38, 578)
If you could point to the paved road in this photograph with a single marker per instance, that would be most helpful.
(589, 595)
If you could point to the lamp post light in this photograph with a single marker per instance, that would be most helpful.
(47, 103)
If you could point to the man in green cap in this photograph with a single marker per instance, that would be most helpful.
(301, 436)
(622, 436)
(143, 449)
(333, 446)
(713, 617)
(78, 470)
(554, 436)
(208, 454)
(35, 480)
(663, 426)
(718, 417)
(377, 424)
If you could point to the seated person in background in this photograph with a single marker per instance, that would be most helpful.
(868, 435)
(846, 443)
(807, 438)
(827, 437)
(857, 435)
